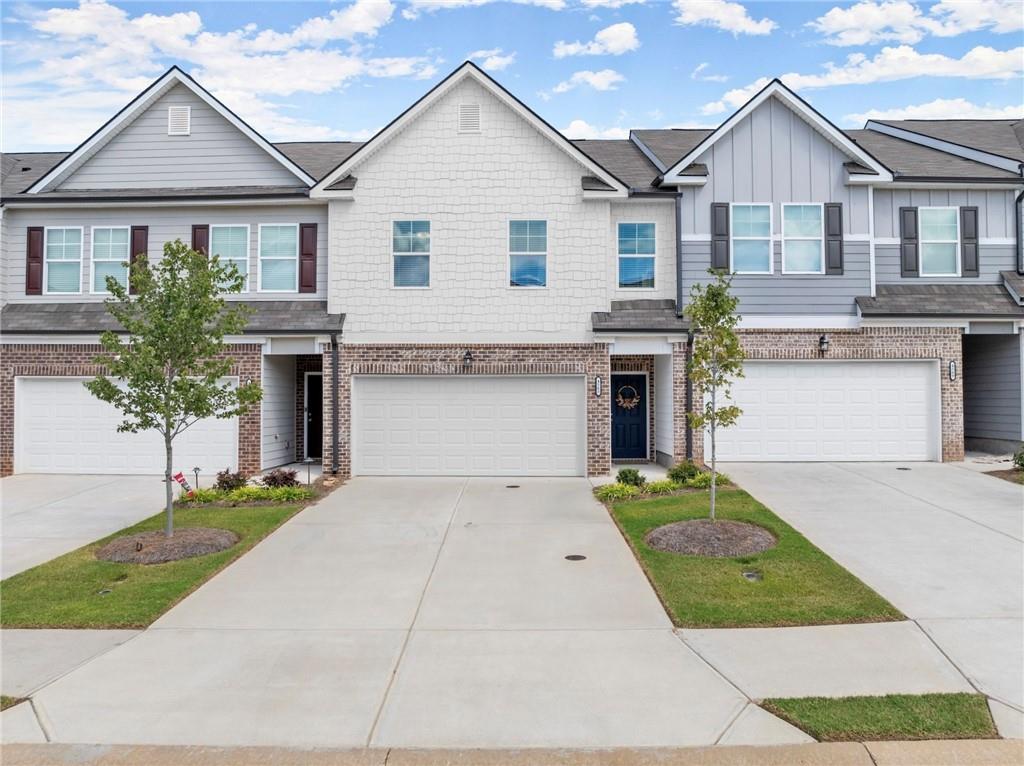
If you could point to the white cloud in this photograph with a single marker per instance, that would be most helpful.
(612, 41)
(583, 129)
(877, 21)
(890, 64)
(721, 14)
(606, 79)
(414, 7)
(494, 59)
(698, 74)
(610, 3)
(940, 109)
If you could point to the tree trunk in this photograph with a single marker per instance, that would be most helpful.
(714, 426)
(169, 487)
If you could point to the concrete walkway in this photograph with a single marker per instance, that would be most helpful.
(30, 659)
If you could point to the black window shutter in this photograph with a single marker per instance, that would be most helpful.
(34, 261)
(908, 242)
(139, 246)
(720, 236)
(201, 238)
(834, 238)
(307, 258)
(969, 241)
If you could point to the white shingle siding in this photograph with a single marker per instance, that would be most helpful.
(469, 186)
(662, 215)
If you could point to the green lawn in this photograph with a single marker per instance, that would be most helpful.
(800, 585)
(71, 591)
(895, 716)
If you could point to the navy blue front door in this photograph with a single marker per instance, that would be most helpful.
(629, 417)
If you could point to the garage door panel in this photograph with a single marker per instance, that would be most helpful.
(479, 425)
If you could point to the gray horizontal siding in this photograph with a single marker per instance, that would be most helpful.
(165, 225)
(992, 386)
(995, 208)
(142, 155)
(780, 293)
(991, 260)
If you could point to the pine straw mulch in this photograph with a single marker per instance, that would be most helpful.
(1013, 475)
(716, 539)
(157, 548)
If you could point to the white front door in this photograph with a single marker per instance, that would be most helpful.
(59, 427)
(871, 410)
(469, 425)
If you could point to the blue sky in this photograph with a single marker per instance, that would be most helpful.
(593, 68)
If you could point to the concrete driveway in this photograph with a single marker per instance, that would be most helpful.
(944, 544)
(42, 517)
(416, 613)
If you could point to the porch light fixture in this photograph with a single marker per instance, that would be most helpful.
(823, 345)
(467, 359)
(952, 369)
(196, 470)
(598, 384)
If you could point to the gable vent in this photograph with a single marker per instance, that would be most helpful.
(179, 120)
(469, 118)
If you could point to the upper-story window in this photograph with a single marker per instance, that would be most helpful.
(940, 241)
(528, 253)
(751, 244)
(231, 245)
(110, 256)
(279, 257)
(63, 260)
(410, 247)
(636, 255)
(803, 231)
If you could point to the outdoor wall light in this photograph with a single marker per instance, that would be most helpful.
(952, 370)
(823, 344)
(598, 383)
(467, 359)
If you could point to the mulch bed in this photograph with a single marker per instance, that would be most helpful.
(717, 539)
(1017, 477)
(157, 548)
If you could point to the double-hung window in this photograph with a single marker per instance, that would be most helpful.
(528, 253)
(751, 245)
(110, 256)
(279, 257)
(636, 255)
(410, 248)
(231, 245)
(940, 241)
(63, 260)
(803, 232)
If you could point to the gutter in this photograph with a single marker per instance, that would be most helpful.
(334, 403)
(1017, 233)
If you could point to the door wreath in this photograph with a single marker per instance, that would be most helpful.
(627, 397)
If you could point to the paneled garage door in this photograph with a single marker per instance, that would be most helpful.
(834, 411)
(468, 426)
(59, 427)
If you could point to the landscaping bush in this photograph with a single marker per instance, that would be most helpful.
(228, 480)
(683, 471)
(662, 487)
(1018, 459)
(630, 476)
(280, 477)
(249, 494)
(612, 492)
(703, 480)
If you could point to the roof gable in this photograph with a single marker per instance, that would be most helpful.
(173, 86)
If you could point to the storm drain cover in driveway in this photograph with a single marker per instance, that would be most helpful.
(575, 557)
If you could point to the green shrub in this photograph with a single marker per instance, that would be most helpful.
(612, 492)
(662, 487)
(683, 471)
(630, 476)
(249, 494)
(280, 477)
(228, 480)
(703, 480)
(1018, 459)
(208, 495)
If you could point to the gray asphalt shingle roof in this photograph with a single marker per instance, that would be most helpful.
(672, 144)
(623, 159)
(1002, 137)
(655, 315)
(1014, 282)
(909, 160)
(940, 300)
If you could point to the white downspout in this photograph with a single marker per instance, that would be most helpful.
(871, 238)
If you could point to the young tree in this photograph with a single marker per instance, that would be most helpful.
(165, 373)
(717, 358)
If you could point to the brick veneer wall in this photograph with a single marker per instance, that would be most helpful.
(638, 363)
(589, 359)
(75, 360)
(303, 363)
(942, 343)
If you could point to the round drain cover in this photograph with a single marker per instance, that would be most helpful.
(511, 486)
(575, 557)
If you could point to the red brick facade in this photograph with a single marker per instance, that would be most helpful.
(76, 360)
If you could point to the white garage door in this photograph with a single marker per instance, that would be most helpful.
(468, 426)
(834, 411)
(59, 427)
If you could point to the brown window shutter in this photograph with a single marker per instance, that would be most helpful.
(307, 258)
(909, 242)
(720, 236)
(139, 246)
(201, 238)
(34, 261)
(969, 241)
(833, 238)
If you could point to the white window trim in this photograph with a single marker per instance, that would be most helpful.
(46, 260)
(429, 254)
(770, 237)
(508, 264)
(248, 249)
(921, 242)
(259, 258)
(619, 256)
(820, 238)
(92, 258)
